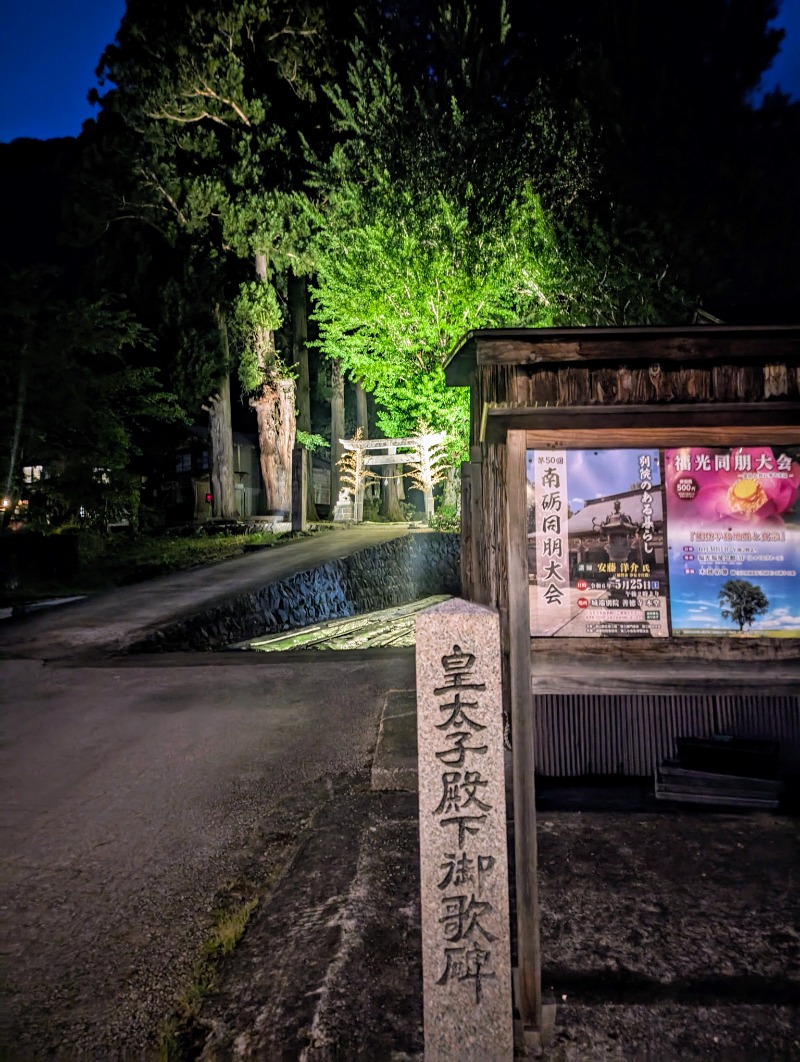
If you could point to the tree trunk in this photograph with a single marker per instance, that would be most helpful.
(10, 494)
(392, 491)
(220, 437)
(451, 495)
(299, 312)
(337, 426)
(274, 408)
(275, 415)
(391, 494)
(362, 416)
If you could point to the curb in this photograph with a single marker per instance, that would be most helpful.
(394, 766)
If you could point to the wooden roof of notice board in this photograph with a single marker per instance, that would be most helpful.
(689, 343)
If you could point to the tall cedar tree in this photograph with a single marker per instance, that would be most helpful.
(209, 98)
(178, 290)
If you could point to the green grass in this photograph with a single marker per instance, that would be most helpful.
(182, 1036)
(117, 560)
(141, 558)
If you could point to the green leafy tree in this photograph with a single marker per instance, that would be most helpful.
(519, 166)
(435, 215)
(76, 388)
(742, 602)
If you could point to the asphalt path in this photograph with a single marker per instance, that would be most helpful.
(112, 620)
(137, 790)
(130, 797)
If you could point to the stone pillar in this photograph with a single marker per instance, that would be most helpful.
(466, 960)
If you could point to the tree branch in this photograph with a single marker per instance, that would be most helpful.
(209, 93)
(181, 216)
(165, 115)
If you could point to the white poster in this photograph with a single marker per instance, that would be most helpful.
(550, 597)
(596, 556)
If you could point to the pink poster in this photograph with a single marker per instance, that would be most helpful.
(733, 532)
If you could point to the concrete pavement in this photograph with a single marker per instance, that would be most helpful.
(110, 621)
(139, 794)
(135, 802)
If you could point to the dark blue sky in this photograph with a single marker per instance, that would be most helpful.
(49, 50)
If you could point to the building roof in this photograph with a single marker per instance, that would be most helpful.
(599, 509)
(689, 343)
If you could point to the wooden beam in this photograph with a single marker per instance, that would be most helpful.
(663, 437)
(479, 590)
(390, 459)
(708, 418)
(628, 349)
(467, 589)
(386, 444)
(298, 489)
(517, 636)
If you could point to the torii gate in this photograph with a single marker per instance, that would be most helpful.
(420, 456)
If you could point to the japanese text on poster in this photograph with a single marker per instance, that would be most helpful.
(596, 549)
(734, 540)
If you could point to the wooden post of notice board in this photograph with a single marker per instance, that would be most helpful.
(529, 978)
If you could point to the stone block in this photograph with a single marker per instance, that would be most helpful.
(466, 959)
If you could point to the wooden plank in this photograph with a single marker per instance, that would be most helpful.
(709, 798)
(668, 772)
(711, 417)
(517, 638)
(709, 343)
(389, 459)
(629, 349)
(766, 435)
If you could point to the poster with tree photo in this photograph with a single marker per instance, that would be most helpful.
(734, 540)
(596, 555)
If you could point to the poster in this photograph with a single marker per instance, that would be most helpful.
(596, 550)
(733, 529)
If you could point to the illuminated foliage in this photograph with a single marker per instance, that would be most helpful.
(436, 215)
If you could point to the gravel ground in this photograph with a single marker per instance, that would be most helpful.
(667, 935)
(671, 935)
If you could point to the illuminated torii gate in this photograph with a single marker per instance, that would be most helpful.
(422, 456)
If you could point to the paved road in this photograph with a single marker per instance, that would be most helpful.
(112, 620)
(130, 796)
(138, 792)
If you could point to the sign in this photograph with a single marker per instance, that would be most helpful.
(596, 551)
(734, 540)
(466, 958)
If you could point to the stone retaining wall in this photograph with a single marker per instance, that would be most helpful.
(393, 573)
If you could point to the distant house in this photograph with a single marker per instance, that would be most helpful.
(178, 483)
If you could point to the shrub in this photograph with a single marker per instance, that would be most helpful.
(447, 518)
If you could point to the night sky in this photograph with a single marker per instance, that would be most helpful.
(49, 50)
